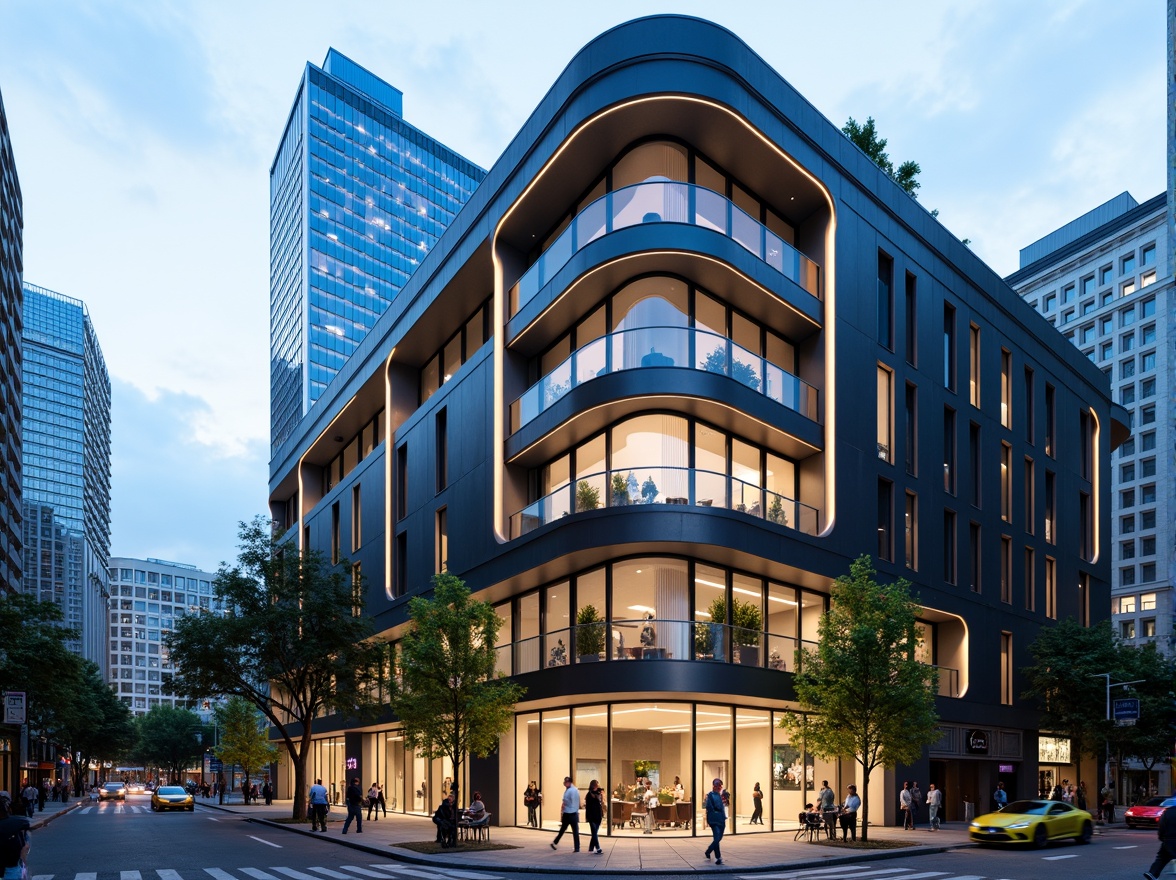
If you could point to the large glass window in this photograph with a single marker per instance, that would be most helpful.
(651, 610)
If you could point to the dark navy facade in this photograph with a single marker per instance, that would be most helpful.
(357, 197)
(684, 355)
(11, 297)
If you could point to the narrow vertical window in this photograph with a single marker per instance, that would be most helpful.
(442, 437)
(911, 526)
(1030, 580)
(402, 481)
(974, 550)
(1086, 443)
(949, 546)
(356, 590)
(885, 301)
(1006, 482)
(1050, 422)
(1006, 388)
(949, 451)
(974, 365)
(356, 519)
(1083, 599)
(885, 520)
(974, 461)
(442, 541)
(335, 533)
(1030, 423)
(911, 441)
(1030, 499)
(949, 370)
(1051, 588)
(1006, 669)
(1006, 569)
(400, 583)
(1085, 527)
(912, 320)
(885, 413)
(1051, 530)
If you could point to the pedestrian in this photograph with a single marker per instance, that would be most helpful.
(1080, 796)
(380, 801)
(29, 797)
(716, 818)
(531, 800)
(904, 806)
(827, 803)
(267, 791)
(1108, 802)
(445, 818)
(916, 804)
(42, 795)
(14, 841)
(569, 815)
(849, 811)
(354, 798)
(1167, 834)
(934, 802)
(1000, 797)
(373, 802)
(757, 806)
(594, 814)
(318, 806)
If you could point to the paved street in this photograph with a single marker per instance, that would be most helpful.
(114, 841)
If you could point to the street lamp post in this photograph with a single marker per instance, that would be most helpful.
(1107, 676)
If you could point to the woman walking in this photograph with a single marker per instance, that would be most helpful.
(594, 814)
(532, 798)
(757, 808)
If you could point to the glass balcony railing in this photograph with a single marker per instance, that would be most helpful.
(643, 486)
(666, 202)
(640, 639)
(683, 347)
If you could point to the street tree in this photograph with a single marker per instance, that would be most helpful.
(244, 739)
(863, 693)
(448, 696)
(99, 727)
(1149, 739)
(865, 136)
(169, 738)
(1066, 683)
(293, 643)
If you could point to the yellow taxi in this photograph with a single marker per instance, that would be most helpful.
(172, 797)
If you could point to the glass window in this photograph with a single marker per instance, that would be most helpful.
(651, 608)
(1104, 274)
(1147, 308)
(1049, 302)
(1127, 264)
(1147, 361)
(1147, 279)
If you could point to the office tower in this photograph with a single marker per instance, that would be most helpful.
(623, 400)
(147, 597)
(11, 268)
(1105, 281)
(66, 435)
(357, 198)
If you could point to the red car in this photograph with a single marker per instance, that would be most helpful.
(1147, 813)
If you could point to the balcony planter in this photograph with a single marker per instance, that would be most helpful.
(589, 634)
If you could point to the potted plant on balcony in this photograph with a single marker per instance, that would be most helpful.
(620, 491)
(746, 622)
(587, 496)
(589, 634)
(776, 511)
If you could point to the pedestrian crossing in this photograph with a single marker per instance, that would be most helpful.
(112, 807)
(872, 871)
(378, 871)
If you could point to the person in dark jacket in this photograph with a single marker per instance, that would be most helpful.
(1167, 834)
(354, 798)
(594, 814)
(716, 818)
(14, 839)
(445, 818)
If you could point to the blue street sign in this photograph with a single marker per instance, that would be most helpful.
(1125, 709)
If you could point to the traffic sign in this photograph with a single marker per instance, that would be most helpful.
(14, 707)
(1125, 710)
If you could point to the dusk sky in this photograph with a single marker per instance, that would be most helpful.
(143, 135)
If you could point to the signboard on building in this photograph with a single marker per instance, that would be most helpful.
(1125, 711)
(1053, 750)
(976, 742)
(14, 707)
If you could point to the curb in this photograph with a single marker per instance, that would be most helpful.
(41, 823)
(392, 851)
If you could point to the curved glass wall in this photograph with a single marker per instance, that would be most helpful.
(659, 458)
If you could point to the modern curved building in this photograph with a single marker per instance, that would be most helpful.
(684, 355)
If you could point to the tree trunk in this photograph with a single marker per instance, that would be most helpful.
(300, 757)
(864, 819)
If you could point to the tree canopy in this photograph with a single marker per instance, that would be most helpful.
(449, 697)
(866, 137)
(99, 728)
(34, 659)
(862, 691)
(244, 739)
(169, 738)
(292, 643)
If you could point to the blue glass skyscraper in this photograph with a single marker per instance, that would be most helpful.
(357, 198)
(66, 463)
(11, 267)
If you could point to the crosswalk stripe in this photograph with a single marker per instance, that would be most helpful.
(258, 874)
(297, 875)
(926, 875)
(862, 871)
(42, 877)
(431, 875)
(363, 872)
(218, 874)
(90, 876)
(334, 875)
(131, 875)
(168, 874)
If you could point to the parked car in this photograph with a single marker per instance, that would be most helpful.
(172, 797)
(136, 788)
(113, 791)
(1034, 823)
(1146, 814)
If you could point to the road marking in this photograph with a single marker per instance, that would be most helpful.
(258, 874)
(1133, 846)
(131, 875)
(362, 872)
(266, 842)
(297, 875)
(824, 872)
(1057, 858)
(334, 875)
(168, 874)
(219, 874)
(84, 876)
(432, 875)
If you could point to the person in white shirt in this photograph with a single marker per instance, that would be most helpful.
(934, 802)
(569, 815)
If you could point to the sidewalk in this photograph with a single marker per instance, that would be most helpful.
(52, 810)
(622, 854)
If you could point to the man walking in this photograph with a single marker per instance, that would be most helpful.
(318, 806)
(716, 818)
(904, 806)
(934, 802)
(569, 815)
(1167, 834)
(999, 797)
(826, 801)
(354, 798)
(849, 811)
(916, 803)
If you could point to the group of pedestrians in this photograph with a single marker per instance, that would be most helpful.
(911, 801)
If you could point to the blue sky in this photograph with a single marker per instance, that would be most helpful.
(144, 132)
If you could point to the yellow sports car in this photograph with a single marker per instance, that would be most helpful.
(1033, 822)
(172, 797)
